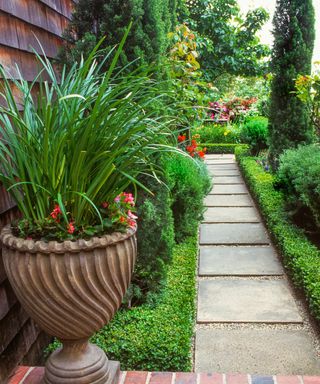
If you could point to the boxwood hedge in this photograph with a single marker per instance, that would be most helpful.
(300, 256)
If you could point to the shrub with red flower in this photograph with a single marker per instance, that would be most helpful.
(192, 148)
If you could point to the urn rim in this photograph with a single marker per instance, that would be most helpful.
(71, 246)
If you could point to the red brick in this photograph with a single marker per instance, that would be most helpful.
(311, 379)
(211, 378)
(35, 376)
(18, 375)
(288, 380)
(186, 378)
(237, 379)
(139, 377)
(161, 378)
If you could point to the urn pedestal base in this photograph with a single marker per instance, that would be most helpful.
(80, 362)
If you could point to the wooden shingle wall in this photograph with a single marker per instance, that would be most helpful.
(22, 22)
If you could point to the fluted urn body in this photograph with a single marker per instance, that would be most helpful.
(72, 289)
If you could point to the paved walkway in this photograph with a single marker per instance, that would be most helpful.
(248, 319)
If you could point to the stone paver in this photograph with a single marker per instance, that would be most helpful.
(258, 351)
(221, 167)
(224, 189)
(220, 162)
(228, 201)
(233, 234)
(231, 215)
(224, 172)
(228, 180)
(238, 261)
(220, 156)
(246, 301)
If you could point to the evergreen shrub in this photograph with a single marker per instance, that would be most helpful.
(154, 251)
(255, 133)
(93, 19)
(189, 183)
(299, 175)
(290, 123)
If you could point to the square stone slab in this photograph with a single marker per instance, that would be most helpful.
(231, 215)
(228, 180)
(220, 161)
(228, 201)
(239, 261)
(220, 156)
(220, 167)
(233, 234)
(258, 351)
(246, 301)
(224, 189)
(223, 172)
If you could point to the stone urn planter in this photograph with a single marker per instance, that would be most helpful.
(72, 289)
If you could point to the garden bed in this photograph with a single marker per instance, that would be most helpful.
(301, 257)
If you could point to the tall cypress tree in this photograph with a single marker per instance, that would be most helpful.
(292, 55)
(92, 19)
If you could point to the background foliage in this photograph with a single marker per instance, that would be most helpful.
(93, 19)
(229, 40)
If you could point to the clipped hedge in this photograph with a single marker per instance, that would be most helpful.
(215, 148)
(157, 338)
(300, 256)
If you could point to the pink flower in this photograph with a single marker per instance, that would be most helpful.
(71, 228)
(132, 216)
(105, 205)
(117, 199)
(132, 223)
(129, 198)
(212, 116)
(56, 212)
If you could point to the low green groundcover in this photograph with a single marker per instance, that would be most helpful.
(157, 338)
(301, 257)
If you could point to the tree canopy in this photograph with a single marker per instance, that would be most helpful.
(229, 40)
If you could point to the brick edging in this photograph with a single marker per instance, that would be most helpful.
(33, 375)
